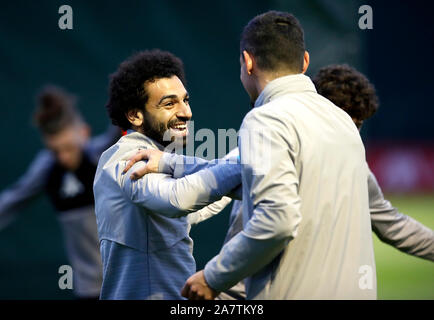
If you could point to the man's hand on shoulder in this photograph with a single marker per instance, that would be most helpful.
(152, 155)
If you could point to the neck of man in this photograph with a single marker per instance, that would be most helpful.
(262, 78)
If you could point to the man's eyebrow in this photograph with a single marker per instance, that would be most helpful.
(170, 96)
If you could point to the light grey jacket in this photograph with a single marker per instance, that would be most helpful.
(396, 228)
(307, 230)
(145, 247)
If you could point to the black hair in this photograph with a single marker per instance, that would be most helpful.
(276, 41)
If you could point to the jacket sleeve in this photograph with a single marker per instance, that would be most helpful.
(208, 211)
(271, 204)
(179, 166)
(159, 192)
(397, 229)
(25, 189)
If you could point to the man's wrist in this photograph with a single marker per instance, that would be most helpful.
(164, 164)
(210, 279)
(215, 293)
(169, 162)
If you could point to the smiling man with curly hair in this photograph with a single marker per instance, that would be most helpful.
(143, 230)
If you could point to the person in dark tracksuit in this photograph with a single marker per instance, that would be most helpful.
(64, 171)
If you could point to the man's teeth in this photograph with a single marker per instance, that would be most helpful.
(180, 127)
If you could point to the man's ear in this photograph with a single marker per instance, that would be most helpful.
(248, 62)
(305, 62)
(135, 117)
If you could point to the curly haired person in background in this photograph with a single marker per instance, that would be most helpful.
(351, 90)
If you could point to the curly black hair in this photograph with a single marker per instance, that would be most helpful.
(348, 89)
(127, 85)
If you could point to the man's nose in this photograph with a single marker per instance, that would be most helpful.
(184, 111)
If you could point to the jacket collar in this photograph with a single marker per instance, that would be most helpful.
(287, 84)
(132, 134)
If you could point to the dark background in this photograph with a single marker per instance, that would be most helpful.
(396, 55)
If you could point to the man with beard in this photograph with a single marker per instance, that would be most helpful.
(145, 247)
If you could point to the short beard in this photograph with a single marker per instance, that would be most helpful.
(156, 131)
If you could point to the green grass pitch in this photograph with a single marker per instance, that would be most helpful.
(399, 275)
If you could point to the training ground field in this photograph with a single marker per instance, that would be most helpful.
(399, 275)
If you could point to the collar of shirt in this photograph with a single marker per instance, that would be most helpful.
(141, 136)
(284, 85)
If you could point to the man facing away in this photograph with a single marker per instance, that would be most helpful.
(145, 247)
(350, 90)
(64, 171)
(306, 226)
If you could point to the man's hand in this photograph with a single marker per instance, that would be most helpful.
(196, 288)
(152, 155)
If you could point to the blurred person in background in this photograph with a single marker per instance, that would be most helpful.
(351, 90)
(64, 171)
